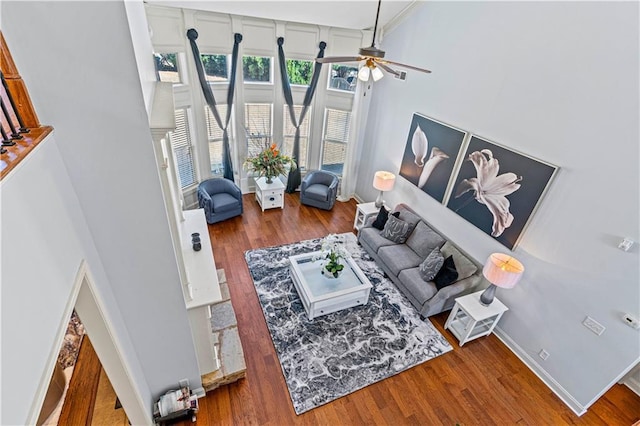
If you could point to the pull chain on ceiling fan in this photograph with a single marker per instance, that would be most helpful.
(373, 59)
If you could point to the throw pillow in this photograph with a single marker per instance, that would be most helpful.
(431, 265)
(447, 274)
(396, 230)
(381, 219)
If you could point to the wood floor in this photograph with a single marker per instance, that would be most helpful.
(482, 383)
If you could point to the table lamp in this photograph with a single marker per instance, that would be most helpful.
(501, 270)
(383, 181)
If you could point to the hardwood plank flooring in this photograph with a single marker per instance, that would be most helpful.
(482, 383)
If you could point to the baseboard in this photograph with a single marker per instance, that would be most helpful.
(542, 374)
(632, 384)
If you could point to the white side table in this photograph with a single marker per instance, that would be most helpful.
(470, 319)
(363, 212)
(270, 195)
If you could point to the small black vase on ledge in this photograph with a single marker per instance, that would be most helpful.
(195, 240)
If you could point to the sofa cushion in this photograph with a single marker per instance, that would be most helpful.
(408, 216)
(381, 219)
(372, 238)
(398, 257)
(396, 230)
(413, 283)
(464, 266)
(424, 239)
(431, 265)
(447, 274)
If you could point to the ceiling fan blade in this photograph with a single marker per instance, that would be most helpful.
(388, 69)
(332, 59)
(411, 67)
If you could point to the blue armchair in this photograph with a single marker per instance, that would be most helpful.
(220, 198)
(319, 188)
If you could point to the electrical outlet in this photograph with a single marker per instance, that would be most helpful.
(631, 321)
(543, 354)
(593, 325)
(184, 383)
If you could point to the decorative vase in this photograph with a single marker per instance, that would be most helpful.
(195, 241)
(332, 269)
(330, 275)
(269, 179)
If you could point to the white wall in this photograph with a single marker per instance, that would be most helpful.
(558, 81)
(79, 64)
(44, 239)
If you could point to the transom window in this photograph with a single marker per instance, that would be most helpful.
(167, 67)
(256, 69)
(299, 71)
(215, 68)
(343, 77)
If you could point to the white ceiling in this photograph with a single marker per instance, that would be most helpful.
(354, 14)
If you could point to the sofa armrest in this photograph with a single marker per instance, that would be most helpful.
(445, 298)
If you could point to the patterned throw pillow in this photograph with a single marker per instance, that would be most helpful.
(396, 230)
(431, 265)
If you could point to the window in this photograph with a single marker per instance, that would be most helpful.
(299, 72)
(214, 136)
(290, 132)
(258, 127)
(334, 142)
(256, 69)
(182, 148)
(215, 68)
(343, 77)
(167, 67)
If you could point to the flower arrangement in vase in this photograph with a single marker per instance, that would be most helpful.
(332, 252)
(270, 163)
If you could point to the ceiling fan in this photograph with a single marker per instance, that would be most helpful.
(373, 59)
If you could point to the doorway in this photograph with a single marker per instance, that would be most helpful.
(90, 309)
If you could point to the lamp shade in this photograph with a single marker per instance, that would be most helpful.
(364, 73)
(384, 181)
(502, 270)
(376, 73)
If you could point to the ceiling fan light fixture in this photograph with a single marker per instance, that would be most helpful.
(376, 73)
(363, 74)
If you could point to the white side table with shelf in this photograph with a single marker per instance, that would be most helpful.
(363, 212)
(270, 195)
(470, 319)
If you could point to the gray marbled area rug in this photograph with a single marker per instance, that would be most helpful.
(333, 355)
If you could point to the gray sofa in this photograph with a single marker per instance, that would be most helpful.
(401, 262)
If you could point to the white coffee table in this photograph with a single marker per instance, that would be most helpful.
(321, 295)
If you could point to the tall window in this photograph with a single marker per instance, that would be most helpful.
(183, 148)
(258, 127)
(215, 68)
(335, 139)
(343, 77)
(256, 69)
(214, 136)
(290, 132)
(167, 67)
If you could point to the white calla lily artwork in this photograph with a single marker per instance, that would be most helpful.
(490, 189)
(498, 189)
(431, 151)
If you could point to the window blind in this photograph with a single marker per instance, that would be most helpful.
(290, 131)
(336, 137)
(182, 148)
(258, 127)
(214, 136)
